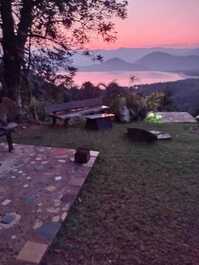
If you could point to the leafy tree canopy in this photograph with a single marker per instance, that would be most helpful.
(52, 29)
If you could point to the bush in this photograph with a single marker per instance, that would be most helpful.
(129, 107)
(136, 104)
(158, 101)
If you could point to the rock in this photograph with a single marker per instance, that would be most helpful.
(141, 135)
(82, 155)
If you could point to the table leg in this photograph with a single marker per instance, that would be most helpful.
(10, 142)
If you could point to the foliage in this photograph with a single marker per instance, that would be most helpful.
(39, 34)
(137, 106)
(37, 109)
(153, 117)
(133, 103)
(158, 101)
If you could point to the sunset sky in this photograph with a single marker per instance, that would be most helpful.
(172, 23)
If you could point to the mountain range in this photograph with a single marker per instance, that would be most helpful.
(155, 61)
(131, 55)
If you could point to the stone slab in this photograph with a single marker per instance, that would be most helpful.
(161, 135)
(32, 252)
(38, 185)
(176, 117)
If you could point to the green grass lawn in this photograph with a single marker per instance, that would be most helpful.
(140, 203)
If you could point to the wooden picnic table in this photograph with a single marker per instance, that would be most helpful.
(66, 111)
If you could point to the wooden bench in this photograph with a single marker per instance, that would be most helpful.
(99, 121)
(7, 132)
(73, 109)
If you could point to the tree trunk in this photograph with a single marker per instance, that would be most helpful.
(11, 60)
(14, 45)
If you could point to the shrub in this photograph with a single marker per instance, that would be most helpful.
(158, 101)
(136, 104)
(132, 105)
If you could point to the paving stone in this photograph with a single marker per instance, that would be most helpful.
(64, 215)
(43, 207)
(6, 202)
(7, 219)
(77, 181)
(32, 252)
(29, 200)
(48, 231)
(57, 203)
(38, 159)
(37, 224)
(58, 178)
(56, 219)
(51, 188)
(39, 210)
(66, 207)
(67, 198)
(90, 162)
(10, 220)
(44, 162)
(94, 153)
(53, 210)
(62, 161)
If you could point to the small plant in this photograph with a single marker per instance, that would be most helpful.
(153, 117)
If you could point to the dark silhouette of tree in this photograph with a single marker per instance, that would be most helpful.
(56, 28)
(88, 90)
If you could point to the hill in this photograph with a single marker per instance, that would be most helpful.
(184, 93)
(160, 61)
(114, 64)
(131, 55)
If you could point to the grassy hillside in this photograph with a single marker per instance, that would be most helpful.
(139, 204)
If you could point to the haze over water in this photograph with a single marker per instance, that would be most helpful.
(123, 77)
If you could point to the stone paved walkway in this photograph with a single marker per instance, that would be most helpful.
(38, 185)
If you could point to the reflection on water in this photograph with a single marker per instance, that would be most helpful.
(124, 78)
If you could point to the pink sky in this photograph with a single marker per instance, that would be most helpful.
(157, 23)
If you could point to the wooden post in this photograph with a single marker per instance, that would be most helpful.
(10, 142)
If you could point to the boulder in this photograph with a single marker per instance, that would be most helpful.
(124, 114)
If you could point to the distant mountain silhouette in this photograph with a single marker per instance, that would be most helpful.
(160, 61)
(114, 64)
(131, 55)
